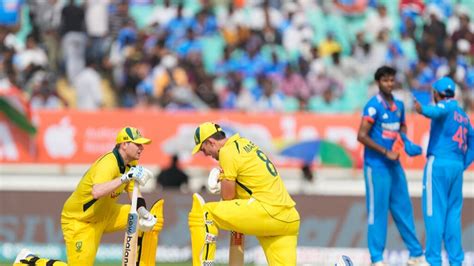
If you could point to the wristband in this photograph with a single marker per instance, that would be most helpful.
(141, 203)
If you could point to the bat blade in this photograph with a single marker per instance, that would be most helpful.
(236, 249)
(129, 256)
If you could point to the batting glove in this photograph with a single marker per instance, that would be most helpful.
(128, 176)
(411, 148)
(213, 183)
(146, 220)
(138, 173)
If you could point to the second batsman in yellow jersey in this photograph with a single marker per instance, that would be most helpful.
(255, 200)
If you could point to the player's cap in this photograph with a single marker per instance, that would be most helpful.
(203, 132)
(131, 134)
(445, 86)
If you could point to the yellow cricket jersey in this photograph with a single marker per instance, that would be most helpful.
(81, 205)
(255, 175)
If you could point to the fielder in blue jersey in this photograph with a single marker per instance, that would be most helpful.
(450, 152)
(386, 186)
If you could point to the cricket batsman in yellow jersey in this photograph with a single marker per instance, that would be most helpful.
(91, 210)
(255, 200)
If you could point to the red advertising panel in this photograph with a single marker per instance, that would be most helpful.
(81, 137)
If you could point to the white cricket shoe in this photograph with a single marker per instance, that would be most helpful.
(23, 254)
(379, 263)
(417, 261)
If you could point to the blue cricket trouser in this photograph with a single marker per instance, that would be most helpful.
(442, 206)
(386, 188)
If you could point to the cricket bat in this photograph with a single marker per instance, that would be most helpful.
(236, 249)
(129, 256)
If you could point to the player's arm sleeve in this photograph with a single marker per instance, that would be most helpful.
(228, 166)
(434, 111)
(105, 171)
(369, 113)
(470, 148)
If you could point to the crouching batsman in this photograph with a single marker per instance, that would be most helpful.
(92, 209)
(255, 200)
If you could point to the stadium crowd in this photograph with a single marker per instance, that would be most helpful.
(249, 55)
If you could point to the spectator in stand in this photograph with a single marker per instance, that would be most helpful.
(205, 23)
(327, 103)
(45, 96)
(226, 63)
(464, 32)
(276, 66)
(252, 61)
(88, 86)
(396, 58)
(435, 29)
(46, 18)
(269, 98)
(205, 91)
(408, 27)
(378, 22)
(30, 58)
(293, 84)
(234, 96)
(451, 68)
(119, 18)
(343, 68)
(258, 15)
(73, 39)
(378, 51)
(329, 45)
(320, 81)
(167, 75)
(176, 27)
(162, 14)
(97, 26)
(189, 45)
(408, 47)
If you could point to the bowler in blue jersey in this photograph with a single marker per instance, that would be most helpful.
(383, 121)
(450, 152)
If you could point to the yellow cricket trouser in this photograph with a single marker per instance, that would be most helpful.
(276, 228)
(82, 239)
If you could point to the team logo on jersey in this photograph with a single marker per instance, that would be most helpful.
(115, 194)
(385, 116)
(78, 246)
(372, 111)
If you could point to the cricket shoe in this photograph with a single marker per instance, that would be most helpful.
(379, 263)
(417, 261)
(23, 256)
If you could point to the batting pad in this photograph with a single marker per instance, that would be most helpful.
(148, 241)
(203, 233)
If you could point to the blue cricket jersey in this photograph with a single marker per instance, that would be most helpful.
(386, 122)
(450, 130)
